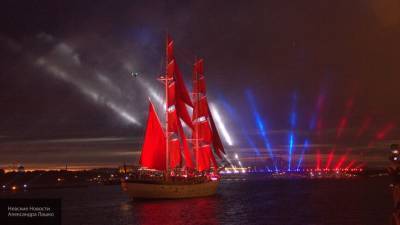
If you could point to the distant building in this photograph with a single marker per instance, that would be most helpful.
(127, 169)
(21, 169)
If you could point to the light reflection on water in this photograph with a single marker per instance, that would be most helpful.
(251, 201)
(186, 211)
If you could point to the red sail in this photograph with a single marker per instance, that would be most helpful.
(214, 162)
(199, 84)
(175, 97)
(175, 126)
(171, 69)
(199, 66)
(186, 152)
(204, 131)
(174, 153)
(178, 96)
(203, 161)
(153, 150)
(170, 49)
(205, 158)
(200, 108)
(216, 140)
(172, 121)
(181, 87)
(177, 91)
(171, 94)
(183, 113)
(210, 159)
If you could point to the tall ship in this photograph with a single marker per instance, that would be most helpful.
(178, 158)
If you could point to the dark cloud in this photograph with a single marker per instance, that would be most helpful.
(65, 66)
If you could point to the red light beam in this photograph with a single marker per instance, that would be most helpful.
(381, 134)
(342, 159)
(341, 127)
(343, 121)
(364, 126)
(330, 158)
(352, 162)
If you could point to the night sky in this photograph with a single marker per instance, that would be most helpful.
(66, 96)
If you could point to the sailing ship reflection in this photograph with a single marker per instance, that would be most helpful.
(187, 211)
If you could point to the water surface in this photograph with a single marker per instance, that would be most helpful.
(251, 200)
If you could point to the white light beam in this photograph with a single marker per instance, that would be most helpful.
(221, 125)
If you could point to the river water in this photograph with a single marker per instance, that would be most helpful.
(245, 200)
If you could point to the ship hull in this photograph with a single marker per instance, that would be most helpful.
(139, 190)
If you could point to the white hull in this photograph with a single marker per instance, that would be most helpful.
(169, 191)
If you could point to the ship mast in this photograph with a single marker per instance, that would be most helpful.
(196, 95)
(157, 139)
(156, 145)
(166, 111)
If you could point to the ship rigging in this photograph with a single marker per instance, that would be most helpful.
(172, 165)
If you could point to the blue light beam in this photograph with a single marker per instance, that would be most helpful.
(305, 147)
(231, 111)
(292, 121)
(290, 151)
(261, 127)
